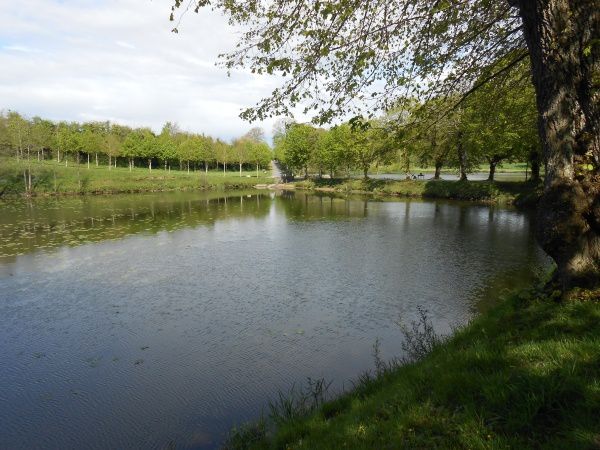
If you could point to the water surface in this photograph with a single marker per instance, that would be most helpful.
(161, 320)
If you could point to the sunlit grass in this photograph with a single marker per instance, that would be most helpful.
(523, 193)
(524, 375)
(51, 177)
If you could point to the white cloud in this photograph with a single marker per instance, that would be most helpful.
(118, 60)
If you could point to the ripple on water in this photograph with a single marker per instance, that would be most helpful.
(169, 318)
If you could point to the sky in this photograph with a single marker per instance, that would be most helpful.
(117, 60)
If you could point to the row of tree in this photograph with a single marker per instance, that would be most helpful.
(495, 124)
(109, 143)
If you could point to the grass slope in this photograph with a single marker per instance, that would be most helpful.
(507, 192)
(523, 375)
(49, 177)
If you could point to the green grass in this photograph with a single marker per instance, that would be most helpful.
(52, 178)
(519, 167)
(525, 374)
(519, 193)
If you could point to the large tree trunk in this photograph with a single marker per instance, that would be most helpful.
(560, 36)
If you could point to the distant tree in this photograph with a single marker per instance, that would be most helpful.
(335, 144)
(18, 132)
(206, 151)
(92, 139)
(333, 53)
(260, 155)
(369, 146)
(42, 135)
(222, 153)
(298, 146)
(241, 149)
(138, 143)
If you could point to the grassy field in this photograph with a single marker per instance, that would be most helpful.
(519, 193)
(50, 178)
(525, 374)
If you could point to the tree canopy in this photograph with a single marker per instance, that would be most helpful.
(354, 58)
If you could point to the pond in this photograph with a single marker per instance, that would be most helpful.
(161, 320)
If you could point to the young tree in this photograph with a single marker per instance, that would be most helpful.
(298, 146)
(92, 137)
(260, 155)
(241, 149)
(18, 132)
(136, 144)
(222, 153)
(42, 135)
(332, 52)
(168, 142)
(206, 151)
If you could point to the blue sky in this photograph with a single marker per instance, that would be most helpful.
(118, 60)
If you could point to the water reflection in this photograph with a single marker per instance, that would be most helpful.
(163, 319)
(49, 223)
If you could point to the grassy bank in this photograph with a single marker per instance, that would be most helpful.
(519, 193)
(501, 168)
(526, 374)
(52, 178)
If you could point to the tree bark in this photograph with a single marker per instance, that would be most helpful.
(535, 163)
(560, 37)
(438, 170)
(462, 158)
(494, 161)
(492, 170)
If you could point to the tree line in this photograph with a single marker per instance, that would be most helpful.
(496, 124)
(112, 144)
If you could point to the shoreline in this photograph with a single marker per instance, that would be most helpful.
(528, 360)
(519, 194)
